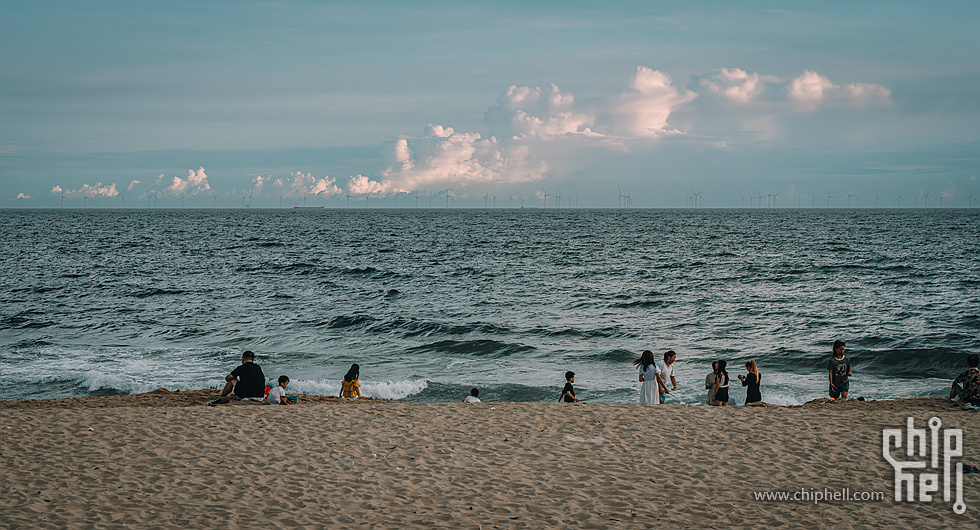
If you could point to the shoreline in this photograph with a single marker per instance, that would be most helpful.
(153, 460)
(162, 397)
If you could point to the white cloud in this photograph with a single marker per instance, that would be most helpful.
(23, 196)
(88, 190)
(132, 185)
(811, 90)
(300, 185)
(196, 182)
(737, 84)
(643, 111)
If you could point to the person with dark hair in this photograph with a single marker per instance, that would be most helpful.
(474, 397)
(666, 367)
(839, 369)
(650, 377)
(568, 393)
(969, 393)
(247, 381)
(752, 380)
(720, 394)
(709, 382)
(350, 387)
(278, 396)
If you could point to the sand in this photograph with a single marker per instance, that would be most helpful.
(162, 460)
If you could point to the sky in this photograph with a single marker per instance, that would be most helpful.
(391, 104)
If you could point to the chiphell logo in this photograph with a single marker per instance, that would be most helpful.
(935, 450)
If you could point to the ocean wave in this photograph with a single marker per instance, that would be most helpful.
(478, 348)
(391, 390)
(414, 328)
(24, 321)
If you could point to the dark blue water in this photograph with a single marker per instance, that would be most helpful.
(433, 302)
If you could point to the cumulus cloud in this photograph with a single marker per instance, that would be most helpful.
(811, 90)
(88, 190)
(196, 182)
(534, 130)
(642, 112)
(737, 84)
(132, 185)
(300, 185)
(23, 196)
(443, 158)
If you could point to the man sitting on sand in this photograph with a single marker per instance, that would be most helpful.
(970, 391)
(247, 381)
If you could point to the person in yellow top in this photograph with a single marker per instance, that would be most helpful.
(350, 387)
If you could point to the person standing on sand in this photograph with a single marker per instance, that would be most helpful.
(350, 387)
(650, 377)
(752, 380)
(839, 369)
(970, 391)
(720, 394)
(666, 369)
(568, 393)
(709, 382)
(247, 381)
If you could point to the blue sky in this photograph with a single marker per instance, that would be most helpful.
(118, 102)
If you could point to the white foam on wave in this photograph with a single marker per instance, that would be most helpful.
(379, 389)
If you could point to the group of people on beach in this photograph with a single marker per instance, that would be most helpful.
(247, 382)
(654, 376)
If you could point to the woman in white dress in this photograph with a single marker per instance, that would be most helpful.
(649, 376)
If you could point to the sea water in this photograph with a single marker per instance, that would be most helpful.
(433, 302)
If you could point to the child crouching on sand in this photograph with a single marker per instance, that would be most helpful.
(277, 396)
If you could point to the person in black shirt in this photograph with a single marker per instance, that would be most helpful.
(247, 381)
(568, 393)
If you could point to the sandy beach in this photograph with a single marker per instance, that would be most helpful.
(162, 460)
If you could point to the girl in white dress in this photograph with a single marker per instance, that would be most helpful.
(650, 377)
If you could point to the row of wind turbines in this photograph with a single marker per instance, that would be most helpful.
(624, 200)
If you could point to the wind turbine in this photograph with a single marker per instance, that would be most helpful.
(63, 201)
(417, 199)
(493, 203)
(486, 200)
(122, 200)
(829, 196)
(619, 200)
(877, 198)
(751, 199)
(849, 195)
(181, 202)
(971, 199)
(84, 199)
(926, 196)
(941, 197)
(557, 199)
(545, 197)
(214, 200)
(813, 199)
(774, 195)
(899, 198)
(348, 199)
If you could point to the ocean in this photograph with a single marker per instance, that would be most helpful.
(433, 302)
